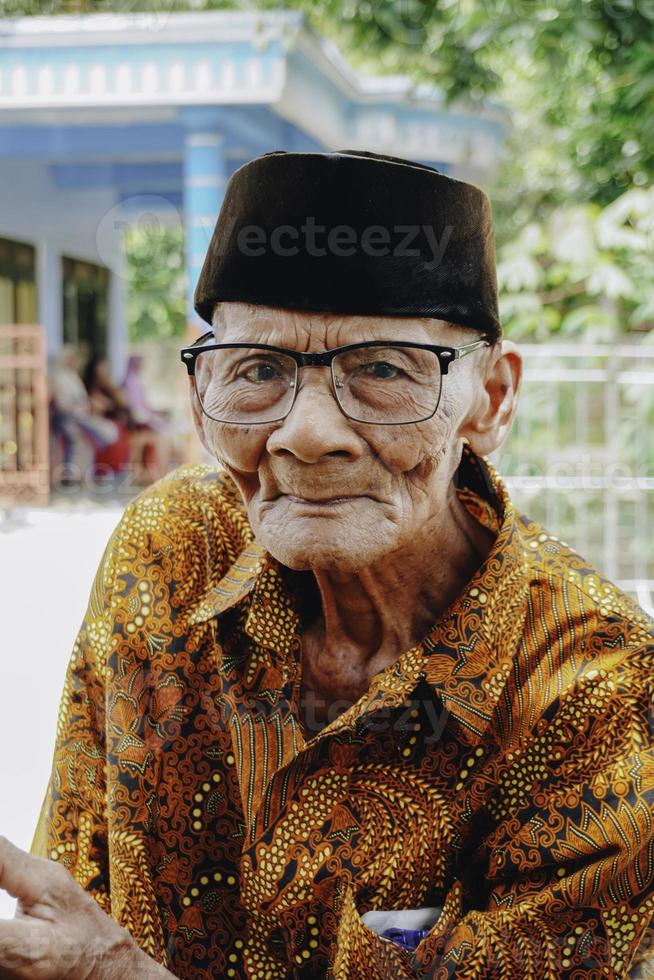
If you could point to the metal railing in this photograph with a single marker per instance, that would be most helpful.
(580, 457)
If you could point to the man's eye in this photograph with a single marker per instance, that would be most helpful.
(262, 371)
(382, 370)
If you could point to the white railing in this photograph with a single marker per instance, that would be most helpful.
(580, 458)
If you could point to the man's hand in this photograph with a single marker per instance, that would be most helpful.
(60, 932)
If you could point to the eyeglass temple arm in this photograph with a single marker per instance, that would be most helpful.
(469, 348)
(205, 336)
(188, 358)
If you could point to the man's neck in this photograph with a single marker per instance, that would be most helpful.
(364, 621)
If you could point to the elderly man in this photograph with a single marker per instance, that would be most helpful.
(336, 710)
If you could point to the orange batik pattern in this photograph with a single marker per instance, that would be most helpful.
(503, 769)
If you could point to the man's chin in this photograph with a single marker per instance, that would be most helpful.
(305, 553)
(321, 562)
(342, 536)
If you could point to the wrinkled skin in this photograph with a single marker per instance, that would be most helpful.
(392, 555)
(60, 932)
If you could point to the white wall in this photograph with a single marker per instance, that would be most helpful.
(61, 223)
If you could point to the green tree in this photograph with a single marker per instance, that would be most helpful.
(583, 271)
(157, 282)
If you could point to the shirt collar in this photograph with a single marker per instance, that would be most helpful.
(467, 655)
(273, 618)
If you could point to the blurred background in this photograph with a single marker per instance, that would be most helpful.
(120, 122)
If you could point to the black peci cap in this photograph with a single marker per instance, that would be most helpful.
(353, 232)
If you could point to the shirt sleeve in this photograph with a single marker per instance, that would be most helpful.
(72, 826)
(563, 886)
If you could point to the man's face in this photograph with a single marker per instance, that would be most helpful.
(321, 490)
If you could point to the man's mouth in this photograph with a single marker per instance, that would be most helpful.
(320, 501)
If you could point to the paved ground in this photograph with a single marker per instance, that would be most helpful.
(48, 557)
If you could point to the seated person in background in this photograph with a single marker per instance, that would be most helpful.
(106, 397)
(151, 438)
(73, 415)
(109, 402)
(338, 672)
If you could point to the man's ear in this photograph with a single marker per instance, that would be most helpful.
(489, 423)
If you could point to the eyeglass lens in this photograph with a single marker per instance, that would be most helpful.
(372, 384)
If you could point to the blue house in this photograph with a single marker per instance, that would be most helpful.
(111, 119)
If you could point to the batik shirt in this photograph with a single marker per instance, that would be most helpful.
(502, 769)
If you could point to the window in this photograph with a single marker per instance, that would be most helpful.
(85, 298)
(18, 303)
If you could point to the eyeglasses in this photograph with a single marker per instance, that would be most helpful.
(383, 382)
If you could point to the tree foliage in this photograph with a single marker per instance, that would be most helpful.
(156, 299)
(584, 271)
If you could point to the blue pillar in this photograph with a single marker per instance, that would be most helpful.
(204, 186)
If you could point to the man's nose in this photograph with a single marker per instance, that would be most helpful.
(315, 426)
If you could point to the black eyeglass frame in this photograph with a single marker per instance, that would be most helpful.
(445, 355)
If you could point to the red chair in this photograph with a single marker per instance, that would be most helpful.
(115, 457)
